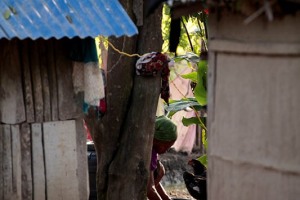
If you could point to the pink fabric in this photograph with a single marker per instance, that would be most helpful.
(186, 134)
(180, 88)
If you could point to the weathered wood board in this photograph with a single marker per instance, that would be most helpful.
(37, 82)
(28, 96)
(52, 80)
(67, 101)
(12, 108)
(82, 160)
(26, 162)
(7, 163)
(61, 160)
(43, 55)
(38, 169)
(10, 162)
(266, 142)
(16, 168)
(254, 110)
(40, 161)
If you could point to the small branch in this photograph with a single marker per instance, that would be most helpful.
(205, 25)
(188, 35)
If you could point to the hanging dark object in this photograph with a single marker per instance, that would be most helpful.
(179, 8)
(174, 34)
(152, 64)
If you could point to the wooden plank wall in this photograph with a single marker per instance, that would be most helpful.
(254, 110)
(42, 139)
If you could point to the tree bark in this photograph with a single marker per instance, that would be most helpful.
(123, 136)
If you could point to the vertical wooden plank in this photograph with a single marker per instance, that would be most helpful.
(82, 158)
(37, 82)
(1, 161)
(26, 162)
(12, 108)
(52, 80)
(61, 160)
(42, 45)
(16, 166)
(24, 49)
(7, 163)
(39, 187)
(67, 106)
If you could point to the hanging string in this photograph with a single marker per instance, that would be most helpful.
(117, 50)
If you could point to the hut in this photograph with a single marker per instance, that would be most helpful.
(42, 139)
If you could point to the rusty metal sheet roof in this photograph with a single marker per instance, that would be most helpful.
(63, 18)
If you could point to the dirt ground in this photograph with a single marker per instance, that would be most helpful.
(175, 164)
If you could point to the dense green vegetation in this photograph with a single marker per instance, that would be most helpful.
(192, 43)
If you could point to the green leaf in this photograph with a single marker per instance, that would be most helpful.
(200, 90)
(190, 121)
(204, 139)
(202, 66)
(6, 14)
(182, 104)
(192, 76)
(193, 120)
(200, 94)
(189, 56)
(203, 160)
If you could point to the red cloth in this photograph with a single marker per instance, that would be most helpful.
(150, 65)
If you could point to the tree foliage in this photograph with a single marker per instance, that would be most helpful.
(193, 43)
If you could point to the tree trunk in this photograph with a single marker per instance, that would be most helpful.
(123, 136)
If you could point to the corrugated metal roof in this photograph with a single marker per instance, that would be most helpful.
(63, 18)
